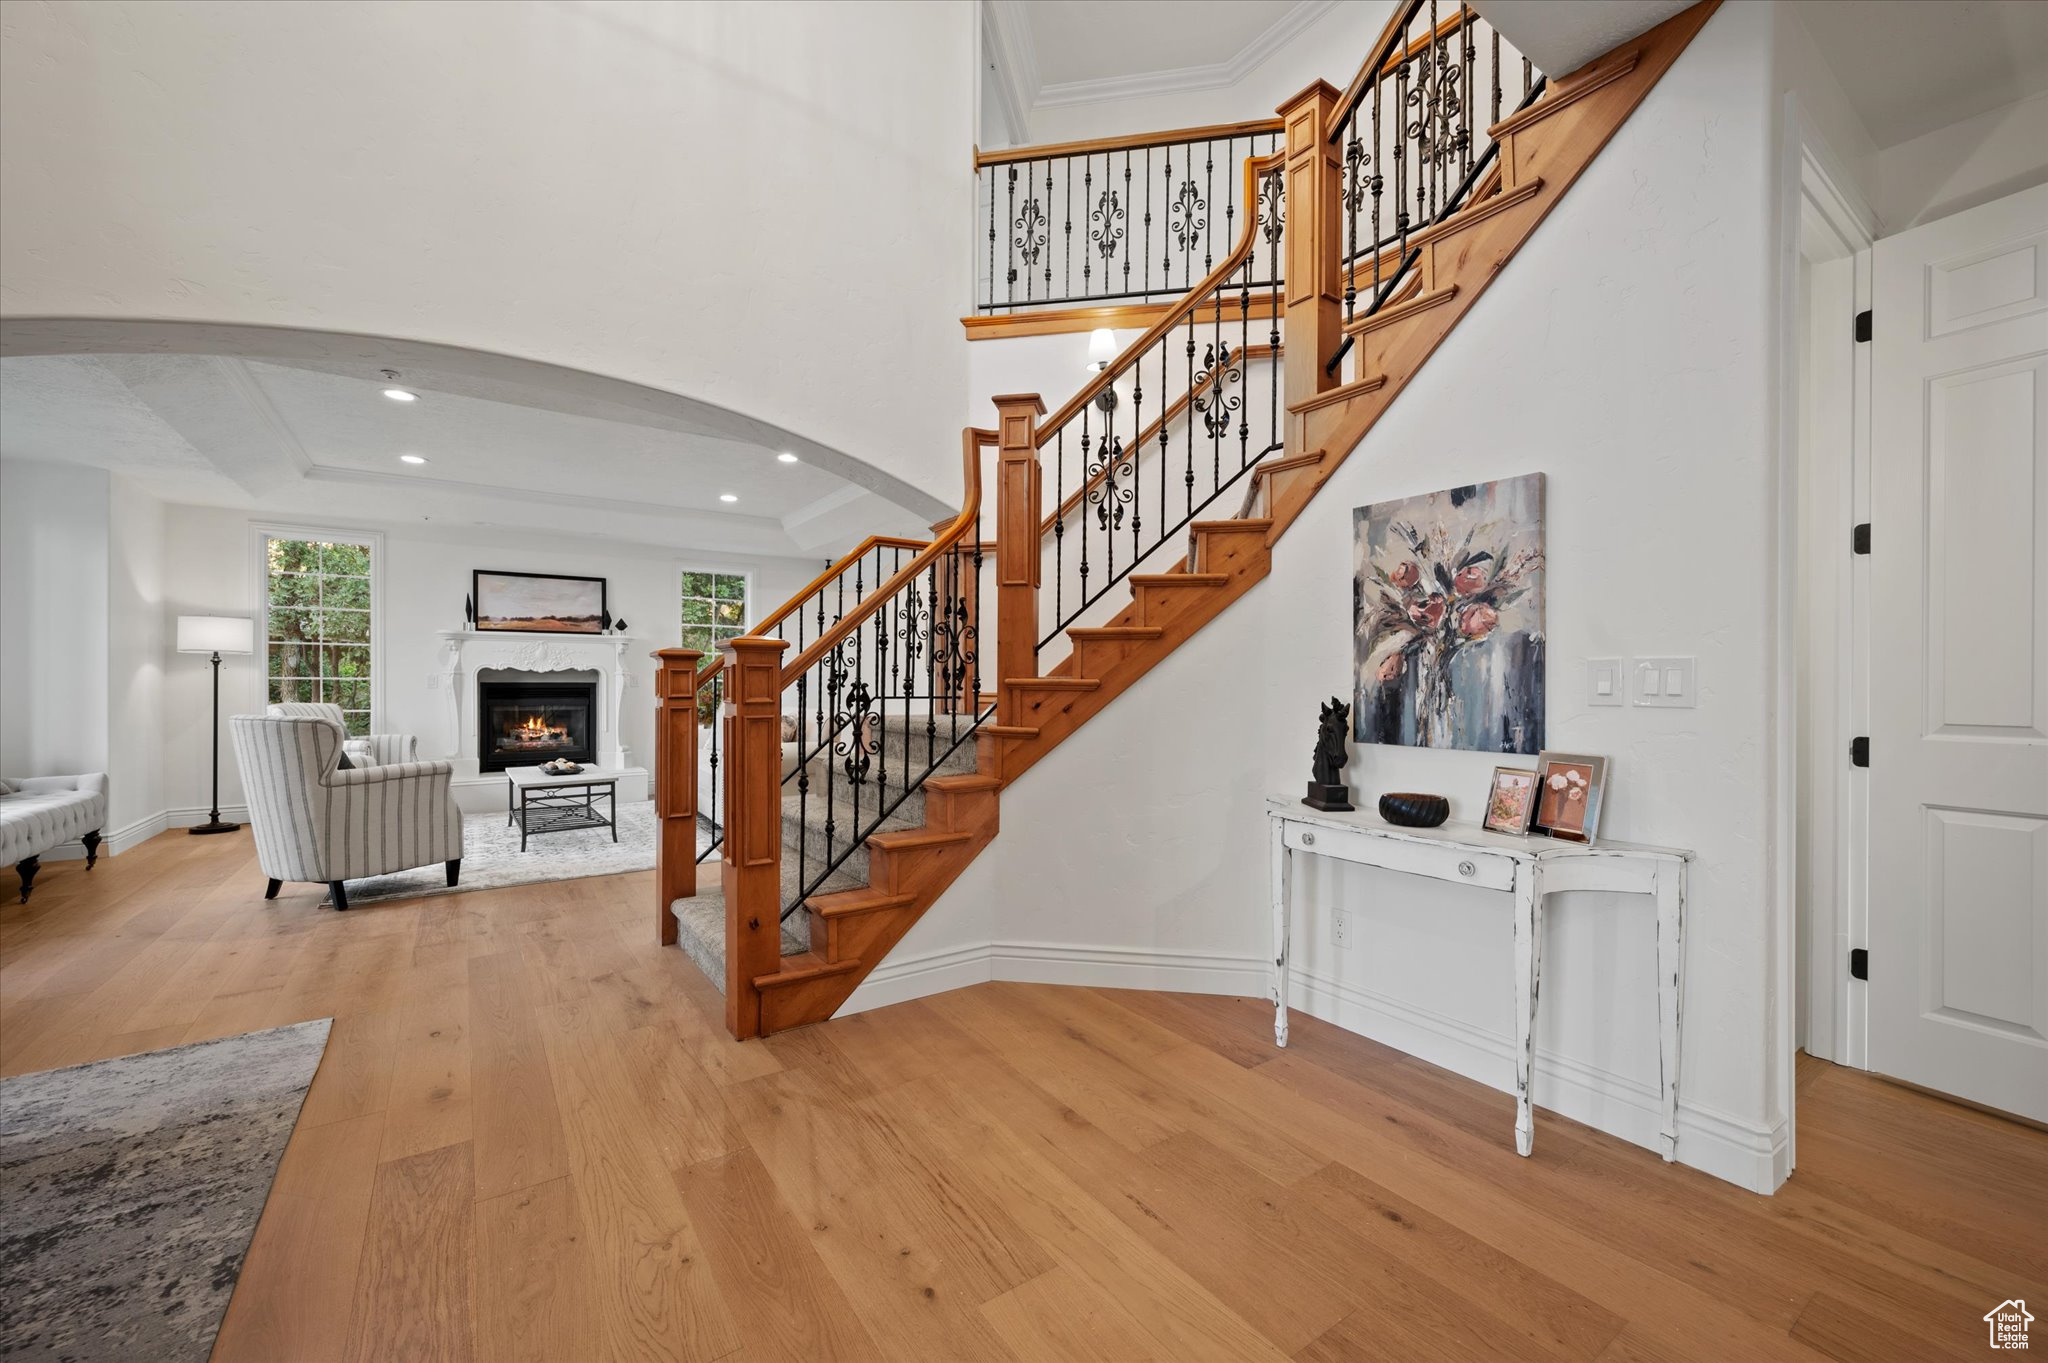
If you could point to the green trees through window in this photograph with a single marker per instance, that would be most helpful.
(317, 631)
(714, 609)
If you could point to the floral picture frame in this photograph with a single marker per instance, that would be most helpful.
(1510, 800)
(1570, 787)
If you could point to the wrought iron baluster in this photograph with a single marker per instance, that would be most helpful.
(1400, 163)
(1010, 276)
(1067, 255)
(1165, 255)
(1466, 133)
(1059, 523)
(1229, 193)
(991, 241)
(1137, 452)
(1081, 509)
(803, 800)
(1209, 195)
(1379, 184)
(1145, 279)
(1189, 425)
(1495, 44)
(1087, 233)
(1127, 198)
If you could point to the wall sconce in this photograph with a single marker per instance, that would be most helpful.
(1101, 353)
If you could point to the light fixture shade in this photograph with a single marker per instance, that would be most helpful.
(1101, 348)
(216, 634)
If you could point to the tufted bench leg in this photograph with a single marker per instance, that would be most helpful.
(26, 868)
(92, 848)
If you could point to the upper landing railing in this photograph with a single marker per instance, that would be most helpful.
(1117, 220)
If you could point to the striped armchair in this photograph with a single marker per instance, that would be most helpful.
(375, 750)
(314, 821)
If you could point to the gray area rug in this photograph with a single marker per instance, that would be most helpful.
(491, 858)
(131, 1188)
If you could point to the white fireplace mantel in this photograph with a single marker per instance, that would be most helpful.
(465, 653)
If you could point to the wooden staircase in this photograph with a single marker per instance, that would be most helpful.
(1542, 150)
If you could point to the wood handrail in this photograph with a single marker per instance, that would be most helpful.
(1374, 65)
(816, 584)
(1131, 142)
(1255, 168)
(1151, 432)
(972, 441)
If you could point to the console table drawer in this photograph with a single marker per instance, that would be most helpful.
(1460, 865)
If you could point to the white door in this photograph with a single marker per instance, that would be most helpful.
(1959, 656)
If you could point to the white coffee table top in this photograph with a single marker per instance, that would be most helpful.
(534, 778)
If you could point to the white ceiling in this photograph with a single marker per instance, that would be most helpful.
(315, 439)
(1052, 52)
(1911, 66)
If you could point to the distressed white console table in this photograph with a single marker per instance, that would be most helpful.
(1525, 868)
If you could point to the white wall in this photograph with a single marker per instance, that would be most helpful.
(1329, 49)
(139, 639)
(53, 619)
(760, 206)
(211, 568)
(1625, 353)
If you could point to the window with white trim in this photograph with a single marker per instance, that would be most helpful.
(317, 606)
(714, 609)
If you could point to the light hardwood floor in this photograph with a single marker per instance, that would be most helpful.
(530, 1140)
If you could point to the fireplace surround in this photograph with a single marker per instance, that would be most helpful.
(526, 723)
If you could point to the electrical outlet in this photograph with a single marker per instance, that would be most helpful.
(1340, 928)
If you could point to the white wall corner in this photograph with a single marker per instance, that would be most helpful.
(900, 979)
(1006, 43)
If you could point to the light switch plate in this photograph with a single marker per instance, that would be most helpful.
(1666, 683)
(1604, 681)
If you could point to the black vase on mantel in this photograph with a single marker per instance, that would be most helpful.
(468, 610)
(1326, 788)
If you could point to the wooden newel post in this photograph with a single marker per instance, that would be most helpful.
(675, 784)
(1315, 241)
(1018, 495)
(752, 868)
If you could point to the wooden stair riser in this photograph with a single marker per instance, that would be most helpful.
(1193, 610)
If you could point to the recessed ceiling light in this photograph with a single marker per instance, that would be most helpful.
(786, 458)
(727, 497)
(412, 459)
(400, 395)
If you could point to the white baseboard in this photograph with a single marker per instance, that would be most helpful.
(1743, 1153)
(190, 818)
(900, 979)
(113, 842)
(1746, 1154)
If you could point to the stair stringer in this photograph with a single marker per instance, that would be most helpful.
(1544, 150)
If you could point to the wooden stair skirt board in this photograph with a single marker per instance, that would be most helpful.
(848, 929)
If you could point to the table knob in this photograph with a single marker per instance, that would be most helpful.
(1308, 840)
(1467, 869)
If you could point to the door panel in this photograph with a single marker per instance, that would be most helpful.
(1958, 990)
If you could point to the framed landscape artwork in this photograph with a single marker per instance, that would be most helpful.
(1511, 800)
(545, 603)
(1447, 618)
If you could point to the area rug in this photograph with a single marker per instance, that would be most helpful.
(491, 858)
(131, 1188)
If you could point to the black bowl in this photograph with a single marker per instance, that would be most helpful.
(1409, 810)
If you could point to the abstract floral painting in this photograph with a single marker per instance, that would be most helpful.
(1447, 618)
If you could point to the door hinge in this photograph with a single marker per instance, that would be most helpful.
(1859, 752)
(1859, 963)
(1863, 325)
(1860, 540)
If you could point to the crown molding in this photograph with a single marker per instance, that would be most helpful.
(1214, 76)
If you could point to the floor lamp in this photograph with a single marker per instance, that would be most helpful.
(215, 635)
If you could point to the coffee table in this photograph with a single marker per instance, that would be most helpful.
(540, 803)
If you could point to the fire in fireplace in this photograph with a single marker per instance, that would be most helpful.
(523, 724)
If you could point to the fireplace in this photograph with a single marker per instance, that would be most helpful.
(526, 723)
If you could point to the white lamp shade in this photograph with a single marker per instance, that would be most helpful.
(1101, 348)
(215, 634)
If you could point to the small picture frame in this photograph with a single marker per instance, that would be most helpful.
(1511, 800)
(1569, 787)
